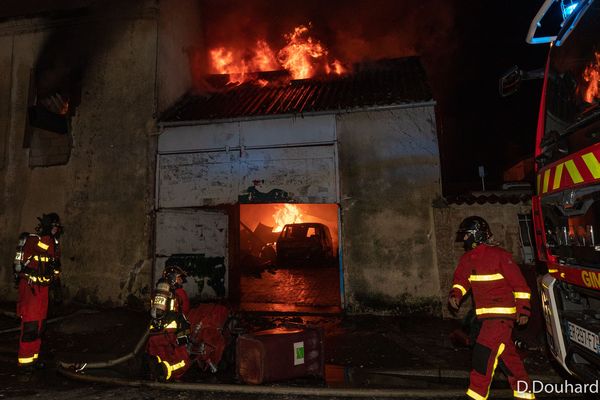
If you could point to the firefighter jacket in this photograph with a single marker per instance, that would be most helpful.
(41, 255)
(183, 301)
(499, 289)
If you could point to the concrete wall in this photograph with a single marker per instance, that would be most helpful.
(389, 176)
(503, 220)
(105, 192)
(180, 44)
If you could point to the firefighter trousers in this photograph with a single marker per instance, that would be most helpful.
(32, 308)
(494, 348)
(173, 359)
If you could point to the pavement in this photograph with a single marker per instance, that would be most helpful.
(305, 289)
(364, 351)
(360, 351)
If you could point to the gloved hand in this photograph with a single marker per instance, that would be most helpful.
(522, 319)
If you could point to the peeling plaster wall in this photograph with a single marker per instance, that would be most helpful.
(504, 223)
(180, 43)
(105, 192)
(389, 176)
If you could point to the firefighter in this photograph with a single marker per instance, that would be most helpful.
(501, 298)
(40, 268)
(176, 277)
(167, 355)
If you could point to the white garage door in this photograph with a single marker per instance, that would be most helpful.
(279, 160)
(198, 240)
(260, 161)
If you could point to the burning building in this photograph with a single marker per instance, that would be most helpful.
(362, 143)
(170, 146)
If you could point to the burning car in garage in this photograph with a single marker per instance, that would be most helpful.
(301, 243)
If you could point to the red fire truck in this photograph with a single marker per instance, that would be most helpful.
(566, 207)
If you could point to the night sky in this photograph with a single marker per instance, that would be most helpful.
(465, 46)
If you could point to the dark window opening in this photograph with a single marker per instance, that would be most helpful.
(571, 223)
(53, 98)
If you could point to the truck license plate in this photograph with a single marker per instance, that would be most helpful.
(586, 338)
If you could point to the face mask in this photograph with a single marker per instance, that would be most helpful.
(469, 243)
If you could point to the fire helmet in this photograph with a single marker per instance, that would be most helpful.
(172, 271)
(473, 231)
(47, 222)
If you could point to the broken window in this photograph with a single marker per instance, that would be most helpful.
(54, 94)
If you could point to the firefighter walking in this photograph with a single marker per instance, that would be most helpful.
(501, 298)
(39, 267)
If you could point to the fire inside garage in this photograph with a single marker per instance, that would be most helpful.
(354, 156)
(289, 257)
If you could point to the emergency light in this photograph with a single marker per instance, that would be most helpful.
(567, 7)
(558, 18)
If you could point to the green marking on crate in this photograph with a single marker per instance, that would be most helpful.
(298, 353)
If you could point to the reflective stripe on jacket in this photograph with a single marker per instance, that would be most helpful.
(40, 253)
(495, 280)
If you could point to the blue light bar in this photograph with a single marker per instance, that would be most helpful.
(567, 7)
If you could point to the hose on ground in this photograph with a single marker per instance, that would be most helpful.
(9, 314)
(281, 390)
(49, 321)
(80, 366)
(76, 371)
(457, 374)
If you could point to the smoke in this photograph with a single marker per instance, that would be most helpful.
(69, 48)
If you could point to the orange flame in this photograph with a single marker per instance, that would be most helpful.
(238, 65)
(591, 74)
(264, 58)
(336, 67)
(287, 214)
(302, 56)
(299, 54)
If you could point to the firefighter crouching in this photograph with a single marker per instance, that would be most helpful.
(167, 355)
(501, 298)
(37, 266)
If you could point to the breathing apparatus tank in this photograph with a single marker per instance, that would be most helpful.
(162, 300)
(19, 260)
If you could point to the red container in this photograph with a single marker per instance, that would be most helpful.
(280, 354)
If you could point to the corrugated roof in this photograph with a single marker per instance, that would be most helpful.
(512, 198)
(384, 83)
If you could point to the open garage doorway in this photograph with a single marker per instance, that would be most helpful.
(289, 259)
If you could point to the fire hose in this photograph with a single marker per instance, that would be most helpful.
(329, 392)
(280, 390)
(76, 371)
(80, 366)
(49, 321)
